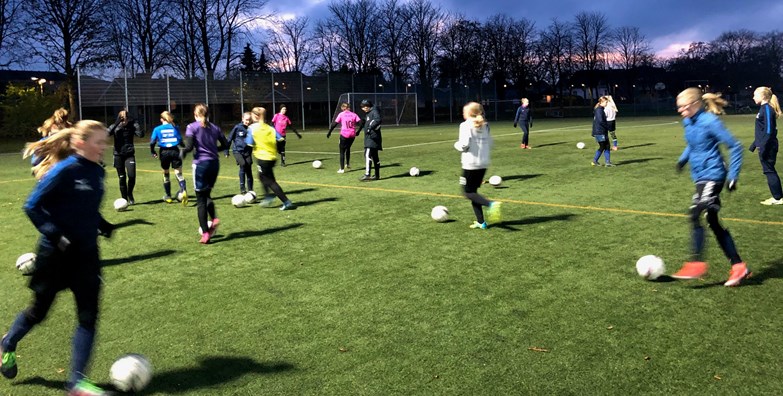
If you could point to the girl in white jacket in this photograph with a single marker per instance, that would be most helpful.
(475, 143)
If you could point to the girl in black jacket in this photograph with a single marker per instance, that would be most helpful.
(123, 130)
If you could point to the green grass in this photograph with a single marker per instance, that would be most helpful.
(359, 292)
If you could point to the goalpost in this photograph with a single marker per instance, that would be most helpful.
(396, 108)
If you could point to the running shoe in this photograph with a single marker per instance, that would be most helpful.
(691, 270)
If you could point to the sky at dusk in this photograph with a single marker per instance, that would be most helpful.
(669, 25)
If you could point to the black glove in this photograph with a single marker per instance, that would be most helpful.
(679, 167)
(731, 185)
(298, 135)
(752, 147)
(329, 134)
(63, 243)
(105, 229)
(515, 125)
(531, 124)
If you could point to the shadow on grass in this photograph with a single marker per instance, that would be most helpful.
(309, 161)
(315, 201)
(639, 161)
(521, 177)
(255, 233)
(507, 225)
(548, 144)
(407, 174)
(636, 145)
(390, 165)
(772, 271)
(130, 223)
(43, 382)
(211, 372)
(663, 279)
(300, 191)
(136, 257)
(224, 196)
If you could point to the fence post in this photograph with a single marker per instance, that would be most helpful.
(273, 92)
(328, 99)
(301, 93)
(168, 94)
(79, 89)
(206, 88)
(241, 94)
(125, 78)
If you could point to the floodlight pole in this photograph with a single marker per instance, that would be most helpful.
(301, 93)
(241, 94)
(168, 94)
(273, 92)
(79, 89)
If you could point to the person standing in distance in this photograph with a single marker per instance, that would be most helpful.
(348, 121)
(766, 141)
(281, 122)
(373, 142)
(167, 137)
(64, 207)
(123, 130)
(600, 132)
(207, 140)
(704, 132)
(242, 152)
(261, 138)
(611, 115)
(524, 119)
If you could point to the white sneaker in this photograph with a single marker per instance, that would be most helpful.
(772, 201)
(340, 171)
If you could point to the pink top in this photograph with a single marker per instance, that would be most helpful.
(348, 120)
(280, 122)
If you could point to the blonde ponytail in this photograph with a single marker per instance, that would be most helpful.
(767, 95)
(201, 110)
(60, 145)
(773, 102)
(714, 103)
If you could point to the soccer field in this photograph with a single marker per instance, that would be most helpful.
(360, 292)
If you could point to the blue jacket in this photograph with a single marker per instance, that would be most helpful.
(523, 116)
(237, 137)
(600, 125)
(704, 132)
(165, 136)
(766, 128)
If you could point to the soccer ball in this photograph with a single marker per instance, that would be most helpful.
(495, 180)
(238, 200)
(317, 164)
(209, 224)
(440, 214)
(580, 145)
(120, 204)
(414, 171)
(181, 195)
(650, 267)
(26, 263)
(131, 373)
(249, 197)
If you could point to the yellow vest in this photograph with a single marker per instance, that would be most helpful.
(264, 141)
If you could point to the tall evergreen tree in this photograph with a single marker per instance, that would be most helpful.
(248, 59)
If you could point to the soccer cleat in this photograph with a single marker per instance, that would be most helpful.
(593, 163)
(86, 388)
(480, 226)
(772, 201)
(8, 366)
(340, 171)
(204, 238)
(213, 227)
(184, 198)
(609, 164)
(528, 147)
(494, 211)
(522, 146)
(738, 272)
(614, 148)
(691, 270)
(366, 178)
(347, 166)
(242, 191)
(267, 202)
(131, 200)
(167, 199)
(288, 205)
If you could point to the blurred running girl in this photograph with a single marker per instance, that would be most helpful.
(704, 132)
(167, 137)
(262, 139)
(475, 144)
(280, 121)
(64, 208)
(348, 121)
(766, 141)
(242, 152)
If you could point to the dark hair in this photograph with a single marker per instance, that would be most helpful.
(365, 103)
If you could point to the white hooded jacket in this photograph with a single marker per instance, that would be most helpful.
(475, 145)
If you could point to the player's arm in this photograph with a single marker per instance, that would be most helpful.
(153, 141)
(137, 129)
(33, 207)
(331, 128)
(529, 117)
(222, 143)
(734, 146)
(516, 117)
(290, 124)
(683, 158)
(463, 143)
(105, 228)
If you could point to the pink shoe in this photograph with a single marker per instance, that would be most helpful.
(213, 227)
(738, 272)
(204, 238)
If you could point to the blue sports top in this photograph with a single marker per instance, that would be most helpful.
(166, 135)
(704, 132)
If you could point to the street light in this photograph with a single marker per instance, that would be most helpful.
(40, 81)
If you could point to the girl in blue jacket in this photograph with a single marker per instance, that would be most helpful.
(704, 132)
(601, 132)
(766, 140)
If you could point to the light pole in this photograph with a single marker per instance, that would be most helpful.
(40, 81)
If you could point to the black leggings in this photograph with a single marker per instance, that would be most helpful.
(345, 151)
(371, 159)
(267, 176)
(206, 207)
(281, 150)
(471, 180)
(126, 169)
(707, 199)
(768, 158)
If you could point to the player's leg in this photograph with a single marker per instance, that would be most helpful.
(342, 154)
(702, 199)
(119, 165)
(768, 158)
(86, 292)
(267, 176)
(348, 144)
(601, 140)
(240, 159)
(23, 324)
(165, 164)
(613, 135)
(130, 165)
(281, 151)
(367, 164)
(248, 165)
(376, 160)
(471, 180)
(525, 135)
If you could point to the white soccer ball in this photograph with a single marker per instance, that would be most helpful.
(414, 171)
(317, 164)
(238, 200)
(131, 373)
(495, 180)
(120, 204)
(650, 267)
(181, 195)
(26, 263)
(209, 224)
(440, 213)
(580, 145)
(250, 197)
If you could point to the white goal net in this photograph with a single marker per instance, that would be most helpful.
(396, 108)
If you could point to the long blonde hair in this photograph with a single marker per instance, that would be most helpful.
(201, 110)
(476, 114)
(60, 145)
(166, 116)
(711, 102)
(766, 94)
(602, 99)
(58, 121)
(258, 114)
(610, 103)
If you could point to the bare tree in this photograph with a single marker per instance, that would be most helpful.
(289, 45)
(736, 46)
(137, 33)
(427, 21)
(632, 47)
(523, 42)
(555, 49)
(187, 62)
(591, 37)
(395, 31)
(11, 27)
(71, 36)
(497, 35)
(326, 37)
(359, 31)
